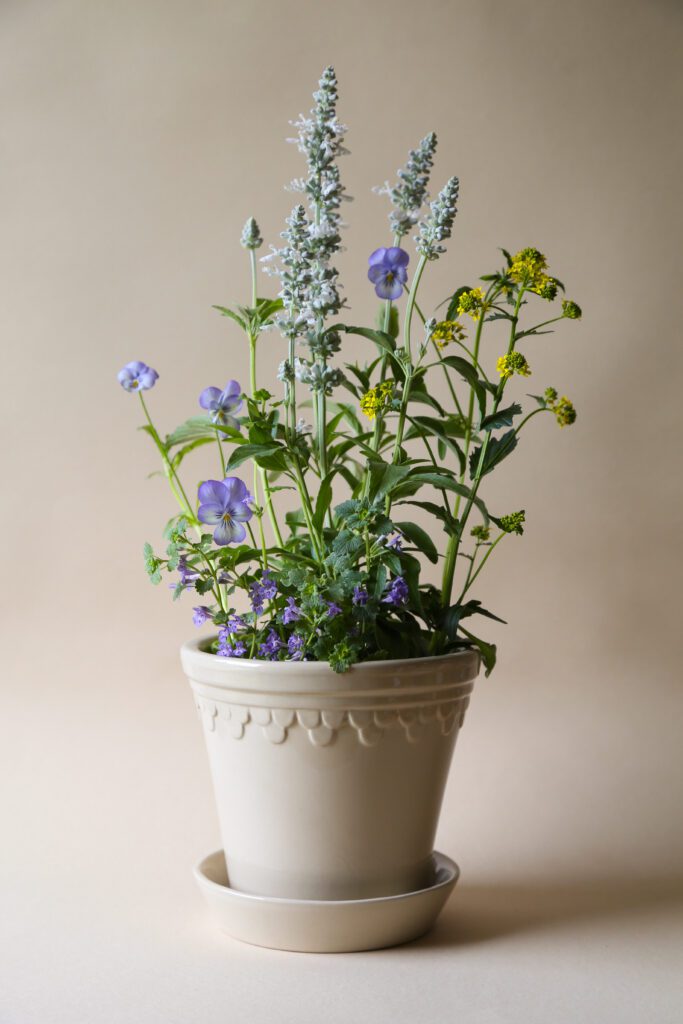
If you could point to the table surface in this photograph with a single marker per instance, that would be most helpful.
(568, 908)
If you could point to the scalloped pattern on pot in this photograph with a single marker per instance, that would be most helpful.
(323, 726)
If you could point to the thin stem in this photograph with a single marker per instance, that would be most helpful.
(171, 473)
(471, 577)
(454, 542)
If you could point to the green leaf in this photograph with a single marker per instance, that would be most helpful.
(487, 651)
(498, 448)
(384, 478)
(224, 311)
(467, 371)
(502, 418)
(268, 456)
(323, 501)
(380, 338)
(420, 538)
(200, 427)
(446, 482)
(451, 524)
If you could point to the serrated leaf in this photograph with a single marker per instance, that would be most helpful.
(497, 449)
(225, 311)
(502, 418)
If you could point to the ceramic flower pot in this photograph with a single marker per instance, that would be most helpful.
(328, 786)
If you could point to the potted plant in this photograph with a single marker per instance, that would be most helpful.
(333, 692)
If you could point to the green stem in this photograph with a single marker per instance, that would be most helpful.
(171, 474)
(260, 474)
(454, 542)
(471, 577)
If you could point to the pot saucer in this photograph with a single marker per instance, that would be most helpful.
(324, 926)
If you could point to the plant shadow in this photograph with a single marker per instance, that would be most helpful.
(485, 913)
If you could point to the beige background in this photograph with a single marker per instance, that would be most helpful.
(136, 138)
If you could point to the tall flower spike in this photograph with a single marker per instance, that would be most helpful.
(410, 191)
(437, 225)
(251, 236)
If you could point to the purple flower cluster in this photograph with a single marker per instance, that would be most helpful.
(360, 596)
(333, 610)
(223, 504)
(295, 647)
(201, 615)
(229, 648)
(137, 376)
(397, 592)
(260, 592)
(292, 612)
(271, 647)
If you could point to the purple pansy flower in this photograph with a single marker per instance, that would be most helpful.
(388, 271)
(333, 610)
(292, 612)
(270, 647)
(295, 647)
(222, 404)
(137, 376)
(398, 592)
(201, 615)
(222, 503)
(360, 596)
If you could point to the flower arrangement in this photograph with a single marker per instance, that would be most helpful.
(340, 578)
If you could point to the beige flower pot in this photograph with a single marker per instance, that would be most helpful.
(329, 786)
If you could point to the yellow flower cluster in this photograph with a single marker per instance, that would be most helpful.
(472, 303)
(447, 331)
(565, 413)
(528, 269)
(377, 399)
(515, 362)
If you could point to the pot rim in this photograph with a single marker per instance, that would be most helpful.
(194, 649)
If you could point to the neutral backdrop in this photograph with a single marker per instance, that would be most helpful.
(136, 137)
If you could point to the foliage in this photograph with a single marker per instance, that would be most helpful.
(342, 577)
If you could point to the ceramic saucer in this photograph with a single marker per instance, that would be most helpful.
(324, 926)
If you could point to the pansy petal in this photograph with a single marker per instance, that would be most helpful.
(389, 290)
(209, 396)
(234, 489)
(241, 512)
(232, 389)
(228, 532)
(377, 273)
(212, 490)
(377, 256)
(396, 257)
(210, 513)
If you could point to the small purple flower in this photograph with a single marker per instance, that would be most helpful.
(236, 650)
(388, 272)
(201, 615)
(396, 542)
(137, 377)
(268, 585)
(292, 612)
(222, 404)
(398, 592)
(235, 623)
(262, 591)
(333, 610)
(223, 505)
(295, 647)
(270, 647)
(360, 596)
